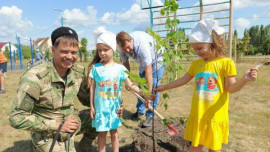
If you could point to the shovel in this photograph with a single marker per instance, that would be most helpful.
(170, 126)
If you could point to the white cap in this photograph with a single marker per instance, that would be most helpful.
(202, 32)
(105, 37)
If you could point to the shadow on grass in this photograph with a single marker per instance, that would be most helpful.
(128, 148)
(127, 116)
(20, 146)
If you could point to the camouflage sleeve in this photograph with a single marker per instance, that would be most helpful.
(21, 116)
(83, 94)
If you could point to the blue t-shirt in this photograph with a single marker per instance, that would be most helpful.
(38, 56)
(144, 51)
(107, 98)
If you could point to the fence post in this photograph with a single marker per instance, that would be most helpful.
(32, 62)
(20, 51)
(10, 56)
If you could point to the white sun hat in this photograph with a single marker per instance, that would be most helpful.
(202, 32)
(105, 37)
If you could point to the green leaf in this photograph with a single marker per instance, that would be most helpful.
(183, 120)
(165, 95)
(136, 78)
(165, 122)
(166, 106)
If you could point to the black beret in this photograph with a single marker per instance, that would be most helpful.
(61, 31)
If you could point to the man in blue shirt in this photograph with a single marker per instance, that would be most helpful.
(140, 46)
(38, 56)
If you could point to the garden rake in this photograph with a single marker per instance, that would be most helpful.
(170, 126)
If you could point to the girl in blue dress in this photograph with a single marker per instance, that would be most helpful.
(105, 90)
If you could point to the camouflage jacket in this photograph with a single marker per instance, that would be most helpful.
(43, 98)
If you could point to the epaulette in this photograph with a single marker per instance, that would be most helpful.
(43, 72)
(78, 68)
(36, 70)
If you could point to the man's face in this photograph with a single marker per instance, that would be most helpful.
(128, 47)
(64, 56)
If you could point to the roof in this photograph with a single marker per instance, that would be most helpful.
(37, 40)
(2, 44)
(42, 41)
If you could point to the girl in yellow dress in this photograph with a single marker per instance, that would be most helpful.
(208, 122)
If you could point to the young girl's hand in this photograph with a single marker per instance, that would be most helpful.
(127, 87)
(120, 110)
(92, 113)
(160, 88)
(251, 74)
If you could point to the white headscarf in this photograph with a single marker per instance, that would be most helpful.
(202, 32)
(105, 37)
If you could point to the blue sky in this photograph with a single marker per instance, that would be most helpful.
(37, 18)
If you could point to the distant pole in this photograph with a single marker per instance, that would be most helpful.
(17, 38)
(14, 56)
(230, 28)
(151, 15)
(18, 45)
(10, 56)
(62, 13)
(62, 20)
(201, 10)
(20, 52)
(31, 51)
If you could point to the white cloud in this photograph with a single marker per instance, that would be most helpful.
(242, 23)
(77, 18)
(133, 15)
(81, 32)
(142, 26)
(12, 23)
(267, 11)
(108, 17)
(146, 5)
(238, 4)
(98, 31)
(255, 16)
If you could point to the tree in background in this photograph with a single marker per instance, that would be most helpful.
(6, 52)
(26, 51)
(83, 49)
(259, 39)
(243, 45)
(235, 33)
(235, 37)
(266, 46)
(48, 53)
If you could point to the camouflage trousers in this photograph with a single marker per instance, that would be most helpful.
(43, 144)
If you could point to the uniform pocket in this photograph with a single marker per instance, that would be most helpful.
(40, 142)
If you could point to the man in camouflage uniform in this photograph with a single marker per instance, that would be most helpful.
(46, 94)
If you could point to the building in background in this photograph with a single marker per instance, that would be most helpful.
(42, 44)
(3, 46)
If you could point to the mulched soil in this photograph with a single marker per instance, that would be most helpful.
(143, 141)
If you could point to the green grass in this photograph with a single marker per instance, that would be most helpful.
(249, 112)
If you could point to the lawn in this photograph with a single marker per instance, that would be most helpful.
(249, 113)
